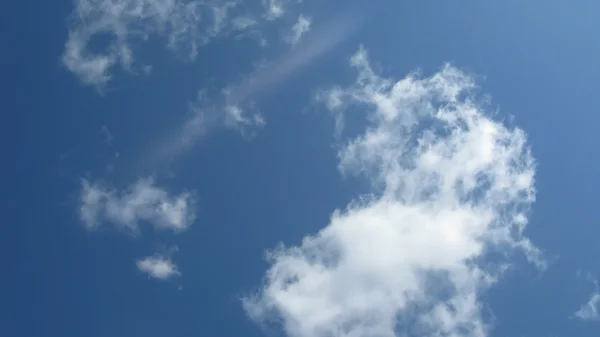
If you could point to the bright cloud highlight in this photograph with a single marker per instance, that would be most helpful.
(141, 202)
(450, 187)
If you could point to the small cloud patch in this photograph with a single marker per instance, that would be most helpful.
(158, 267)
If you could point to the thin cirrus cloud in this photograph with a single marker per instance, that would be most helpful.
(141, 202)
(206, 114)
(449, 186)
(184, 25)
(158, 266)
(233, 110)
(317, 42)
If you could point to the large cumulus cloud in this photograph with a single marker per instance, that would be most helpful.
(451, 187)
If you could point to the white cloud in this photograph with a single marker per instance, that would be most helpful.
(140, 202)
(159, 267)
(449, 186)
(123, 21)
(274, 9)
(589, 310)
(301, 27)
(184, 24)
(237, 118)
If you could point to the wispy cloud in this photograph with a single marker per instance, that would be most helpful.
(301, 27)
(206, 115)
(104, 33)
(274, 9)
(108, 137)
(140, 202)
(207, 112)
(449, 187)
(322, 40)
(158, 266)
(589, 310)
(124, 21)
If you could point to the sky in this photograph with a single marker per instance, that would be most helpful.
(299, 168)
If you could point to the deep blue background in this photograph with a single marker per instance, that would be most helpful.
(539, 60)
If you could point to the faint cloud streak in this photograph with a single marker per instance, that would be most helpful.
(232, 111)
(316, 43)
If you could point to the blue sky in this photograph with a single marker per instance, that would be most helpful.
(300, 168)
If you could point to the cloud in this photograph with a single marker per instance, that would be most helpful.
(235, 111)
(123, 21)
(206, 114)
(108, 137)
(274, 9)
(589, 310)
(158, 267)
(322, 40)
(91, 69)
(451, 187)
(103, 33)
(141, 202)
(301, 27)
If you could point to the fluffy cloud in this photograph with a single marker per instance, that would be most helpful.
(450, 188)
(301, 27)
(141, 202)
(158, 267)
(103, 32)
